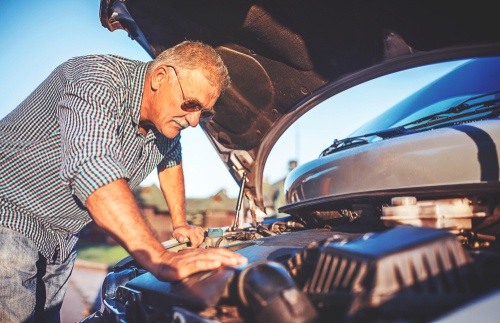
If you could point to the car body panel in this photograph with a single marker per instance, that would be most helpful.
(423, 162)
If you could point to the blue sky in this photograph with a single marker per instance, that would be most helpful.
(36, 36)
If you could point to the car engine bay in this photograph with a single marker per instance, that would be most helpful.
(386, 261)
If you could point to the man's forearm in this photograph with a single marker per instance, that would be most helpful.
(172, 186)
(114, 208)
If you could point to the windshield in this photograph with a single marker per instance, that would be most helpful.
(474, 78)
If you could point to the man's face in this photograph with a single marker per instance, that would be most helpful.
(165, 111)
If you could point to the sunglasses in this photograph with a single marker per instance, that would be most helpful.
(190, 105)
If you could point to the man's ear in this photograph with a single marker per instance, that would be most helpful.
(159, 76)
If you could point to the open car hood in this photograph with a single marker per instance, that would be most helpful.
(284, 57)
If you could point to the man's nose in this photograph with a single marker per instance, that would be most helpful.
(193, 118)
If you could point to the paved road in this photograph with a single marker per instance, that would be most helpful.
(84, 286)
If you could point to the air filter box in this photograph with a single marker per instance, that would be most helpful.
(404, 271)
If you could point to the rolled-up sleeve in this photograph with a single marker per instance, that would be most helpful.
(90, 151)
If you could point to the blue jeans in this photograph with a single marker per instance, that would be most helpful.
(32, 289)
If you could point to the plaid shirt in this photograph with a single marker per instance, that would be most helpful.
(78, 131)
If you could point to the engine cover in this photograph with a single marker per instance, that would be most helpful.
(424, 267)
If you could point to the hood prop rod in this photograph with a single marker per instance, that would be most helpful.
(239, 202)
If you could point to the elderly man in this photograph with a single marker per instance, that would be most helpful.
(73, 150)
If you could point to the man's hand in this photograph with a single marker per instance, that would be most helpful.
(195, 234)
(114, 209)
(177, 266)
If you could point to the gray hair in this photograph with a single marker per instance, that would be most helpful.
(192, 55)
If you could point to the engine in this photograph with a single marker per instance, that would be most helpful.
(419, 261)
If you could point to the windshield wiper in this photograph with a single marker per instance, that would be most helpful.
(484, 109)
(351, 142)
(343, 144)
(470, 107)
